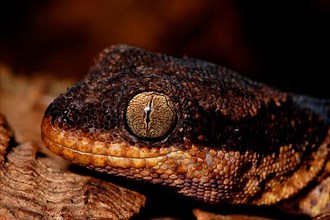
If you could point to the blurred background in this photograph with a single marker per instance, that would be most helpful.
(282, 43)
(46, 45)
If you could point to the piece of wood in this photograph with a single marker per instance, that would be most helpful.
(32, 187)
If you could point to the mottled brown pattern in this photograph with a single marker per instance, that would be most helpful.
(235, 140)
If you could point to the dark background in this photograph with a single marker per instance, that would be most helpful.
(282, 43)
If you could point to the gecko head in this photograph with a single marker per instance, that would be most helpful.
(157, 118)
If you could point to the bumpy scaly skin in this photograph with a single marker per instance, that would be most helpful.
(234, 140)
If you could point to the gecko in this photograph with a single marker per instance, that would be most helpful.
(200, 129)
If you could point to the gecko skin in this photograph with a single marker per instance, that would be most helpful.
(199, 128)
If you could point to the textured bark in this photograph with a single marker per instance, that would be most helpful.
(5, 135)
(32, 187)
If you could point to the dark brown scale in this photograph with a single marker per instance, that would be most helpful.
(260, 136)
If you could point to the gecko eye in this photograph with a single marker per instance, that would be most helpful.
(150, 115)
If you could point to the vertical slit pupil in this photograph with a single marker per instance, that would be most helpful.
(147, 109)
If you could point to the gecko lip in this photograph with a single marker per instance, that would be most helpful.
(80, 149)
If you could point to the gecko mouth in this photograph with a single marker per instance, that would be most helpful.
(78, 148)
